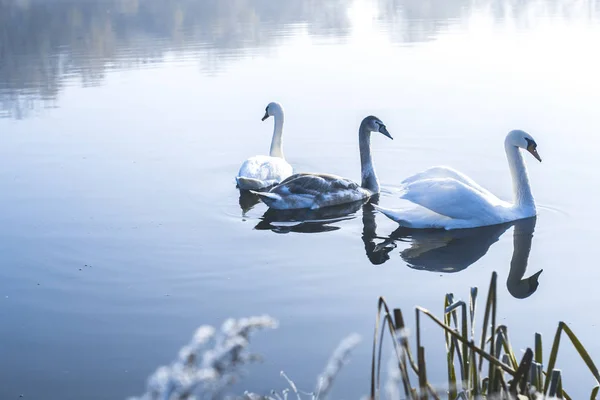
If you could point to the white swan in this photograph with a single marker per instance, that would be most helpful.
(261, 172)
(448, 199)
(312, 191)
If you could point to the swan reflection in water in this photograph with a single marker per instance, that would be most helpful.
(247, 201)
(452, 251)
(308, 221)
(432, 250)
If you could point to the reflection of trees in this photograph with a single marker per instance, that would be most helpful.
(45, 42)
(525, 14)
(421, 20)
(410, 21)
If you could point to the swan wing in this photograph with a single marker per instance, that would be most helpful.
(440, 172)
(313, 184)
(419, 218)
(265, 168)
(454, 199)
(313, 191)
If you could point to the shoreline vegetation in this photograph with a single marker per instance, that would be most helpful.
(480, 365)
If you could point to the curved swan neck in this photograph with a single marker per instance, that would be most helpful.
(522, 239)
(369, 178)
(520, 180)
(276, 141)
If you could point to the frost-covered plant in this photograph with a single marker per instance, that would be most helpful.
(213, 359)
(209, 363)
(338, 359)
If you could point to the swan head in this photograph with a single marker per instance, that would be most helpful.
(374, 124)
(524, 288)
(523, 140)
(272, 109)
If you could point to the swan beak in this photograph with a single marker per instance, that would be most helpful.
(534, 152)
(383, 129)
(265, 117)
(533, 280)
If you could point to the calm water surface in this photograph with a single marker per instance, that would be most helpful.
(123, 126)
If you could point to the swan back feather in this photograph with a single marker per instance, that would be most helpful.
(260, 172)
(446, 172)
(313, 191)
(453, 199)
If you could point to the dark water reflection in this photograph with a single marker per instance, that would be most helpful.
(431, 250)
(453, 251)
(308, 221)
(247, 201)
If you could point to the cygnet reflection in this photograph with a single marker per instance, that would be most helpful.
(306, 220)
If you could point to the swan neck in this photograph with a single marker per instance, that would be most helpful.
(522, 240)
(520, 180)
(276, 141)
(369, 178)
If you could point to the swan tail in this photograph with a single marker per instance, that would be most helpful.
(391, 214)
(401, 217)
(268, 198)
(420, 218)
(253, 184)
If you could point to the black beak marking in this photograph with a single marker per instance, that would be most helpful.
(384, 131)
(532, 148)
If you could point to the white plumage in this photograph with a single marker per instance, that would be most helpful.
(261, 172)
(448, 199)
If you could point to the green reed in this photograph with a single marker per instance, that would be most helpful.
(506, 376)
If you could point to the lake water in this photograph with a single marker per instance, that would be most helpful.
(123, 126)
